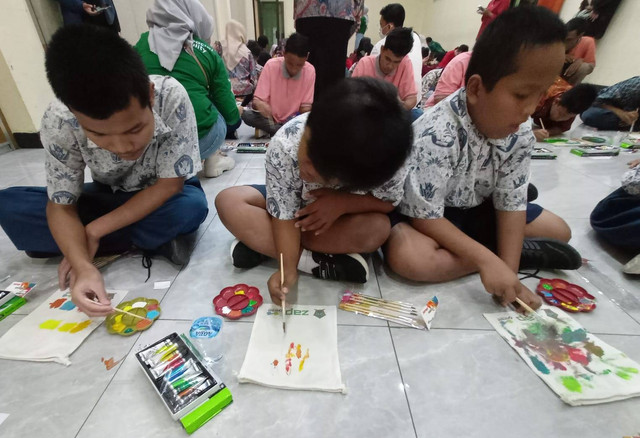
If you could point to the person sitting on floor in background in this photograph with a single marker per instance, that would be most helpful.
(138, 136)
(264, 55)
(462, 48)
(466, 202)
(363, 50)
(559, 107)
(580, 58)
(176, 45)
(616, 107)
(451, 79)
(391, 17)
(326, 195)
(437, 52)
(240, 63)
(393, 65)
(616, 219)
(285, 88)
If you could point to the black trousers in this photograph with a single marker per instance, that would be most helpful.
(328, 39)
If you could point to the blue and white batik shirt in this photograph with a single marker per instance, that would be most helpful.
(173, 151)
(287, 192)
(457, 166)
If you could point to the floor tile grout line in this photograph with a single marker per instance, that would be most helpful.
(404, 388)
(108, 385)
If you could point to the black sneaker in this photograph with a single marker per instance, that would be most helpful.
(244, 257)
(342, 267)
(178, 250)
(543, 253)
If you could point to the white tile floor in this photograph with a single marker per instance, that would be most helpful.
(460, 379)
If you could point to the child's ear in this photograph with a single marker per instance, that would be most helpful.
(474, 87)
(152, 95)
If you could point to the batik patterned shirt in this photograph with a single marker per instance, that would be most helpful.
(173, 151)
(457, 166)
(624, 95)
(287, 192)
(631, 181)
(345, 9)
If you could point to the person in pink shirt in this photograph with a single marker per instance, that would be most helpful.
(580, 58)
(493, 9)
(451, 80)
(393, 65)
(285, 88)
(452, 54)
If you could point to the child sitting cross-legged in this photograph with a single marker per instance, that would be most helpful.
(466, 193)
(331, 178)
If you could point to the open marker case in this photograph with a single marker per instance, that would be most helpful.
(208, 396)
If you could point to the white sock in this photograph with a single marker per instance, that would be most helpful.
(306, 263)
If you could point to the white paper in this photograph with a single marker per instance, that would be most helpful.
(53, 331)
(3, 417)
(305, 357)
(161, 285)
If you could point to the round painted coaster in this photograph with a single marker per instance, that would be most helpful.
(234, 302)
(567, 296)
(126, 325)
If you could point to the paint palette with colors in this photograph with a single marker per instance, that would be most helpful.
(122, 324)
(234, 302)
(567, 296)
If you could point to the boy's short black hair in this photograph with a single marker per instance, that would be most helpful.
(254, 48)
(495, 52)
(579, 98)
(95, 72)
(360, 133)
(393, 13)
(263, 41)
(365, 47)
(297, 44)
(463, 48)
(578, 24)
(425, 52)
(399, 41)
(429, 39)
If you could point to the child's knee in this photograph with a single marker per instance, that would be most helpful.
(373, 232)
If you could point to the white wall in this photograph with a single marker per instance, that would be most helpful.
(24, 90)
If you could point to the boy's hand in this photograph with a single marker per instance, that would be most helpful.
(499, 280)
(628, 117)
(322, 213)
(540, 134)
(633, 163)
(89, 288)
(277, 293)
(573, 68)
(529, 298)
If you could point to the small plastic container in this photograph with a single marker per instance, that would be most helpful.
(205, 334)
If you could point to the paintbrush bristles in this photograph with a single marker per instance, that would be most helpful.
(525, 306)
(129, 313)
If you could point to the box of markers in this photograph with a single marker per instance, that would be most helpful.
(192, 393)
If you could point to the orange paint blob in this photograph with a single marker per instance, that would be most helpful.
(143, 324)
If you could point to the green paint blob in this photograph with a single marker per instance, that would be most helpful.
(593, 349)
(50, 324)
(571, 384)
(540, 366)
(629, 370)
(605, 372)
(547, 286)
(569, 336)
(535, 328)
(623, 375)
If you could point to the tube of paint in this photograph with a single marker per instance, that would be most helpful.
(146, 354)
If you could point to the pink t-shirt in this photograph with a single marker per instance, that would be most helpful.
(585, 50)
(285, 94)
(402, 77)
(452, 78)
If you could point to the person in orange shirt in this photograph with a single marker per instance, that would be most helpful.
(559, 107)
(580, 57)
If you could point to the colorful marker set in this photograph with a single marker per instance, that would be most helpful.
(191, 392)
(394, 311)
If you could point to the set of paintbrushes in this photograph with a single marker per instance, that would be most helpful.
(393, 311)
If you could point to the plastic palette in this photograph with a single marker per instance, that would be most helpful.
(234, 302)
(567, 296)
(126, 325)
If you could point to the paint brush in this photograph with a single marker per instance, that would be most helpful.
(526, 307)
(542, 124)
(379, 302)
(284, 324)
(129, 313)
(634, 123)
